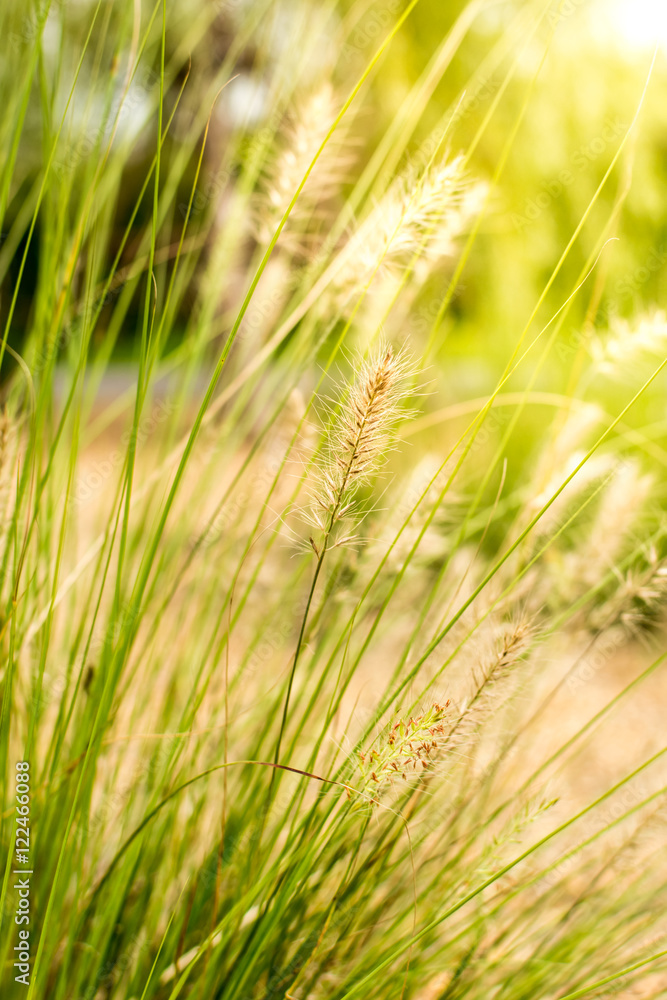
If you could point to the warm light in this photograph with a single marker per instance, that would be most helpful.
(640, 23)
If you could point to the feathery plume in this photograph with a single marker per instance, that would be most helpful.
(558, 461)
(637, 603)
(416, 215)
(621, 505)
(628, 341)
(510, 650)
(358, 441)
(494, 854)
(410, 748)
(309, 125)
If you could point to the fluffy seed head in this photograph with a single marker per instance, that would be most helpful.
(638, 602)
(628, 342)
(417, 215)
(621, 506)
(307, 128)
(359, 437)
(510, 650)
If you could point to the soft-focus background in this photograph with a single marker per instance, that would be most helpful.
(579, 71)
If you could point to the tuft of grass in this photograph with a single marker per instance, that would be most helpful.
(253, 255)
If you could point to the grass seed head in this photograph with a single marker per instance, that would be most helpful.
(306, 130)
(359, 437)
(629, 342)
(417, 216)
(409, 748)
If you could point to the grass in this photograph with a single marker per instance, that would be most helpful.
(333, 574)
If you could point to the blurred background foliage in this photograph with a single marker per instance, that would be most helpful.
(576, 77)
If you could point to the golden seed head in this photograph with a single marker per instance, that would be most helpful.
(358, 440)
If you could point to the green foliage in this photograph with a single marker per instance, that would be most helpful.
(394, 268)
